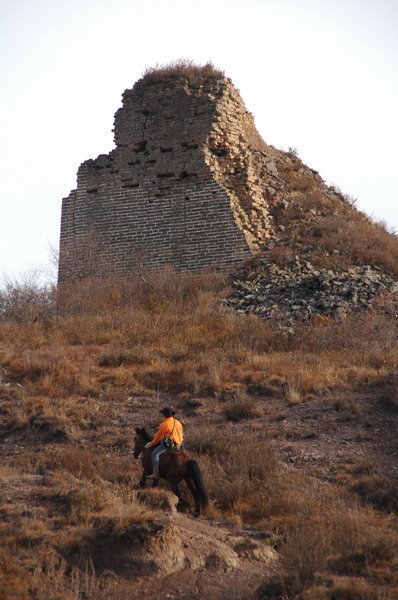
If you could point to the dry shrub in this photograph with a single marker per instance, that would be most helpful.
(200, 378)
(95, 504)
(27, 301)
(389, 393)
(365, 335)
(181, 68)
(14, 585)
(281, 255)
(347, 588)
(209, 440)
(123, 514)
(239, 473)
(239, 409)
(297, 375)
(23, 336)
(313, 199)
(118, 356)
(231, 392)
(91, 464)
(358, 241)
(80, 330)
(326, 532)
(36, 415)
(377, 490)
(133, 319)
(182, 286)
(321, 527)
(293, 392)
(24, 531)
(85, 500)
(80, 462)
(51, 372)
(109, 542)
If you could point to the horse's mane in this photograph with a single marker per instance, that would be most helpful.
(147, 435)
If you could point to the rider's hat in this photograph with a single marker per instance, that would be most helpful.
(167, 411)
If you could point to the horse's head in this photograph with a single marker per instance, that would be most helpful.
(141, 438)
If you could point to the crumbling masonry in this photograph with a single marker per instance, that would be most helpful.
(190, 183)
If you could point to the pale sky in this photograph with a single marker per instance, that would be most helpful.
(320, 76)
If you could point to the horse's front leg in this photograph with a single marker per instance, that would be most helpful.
(147, 470)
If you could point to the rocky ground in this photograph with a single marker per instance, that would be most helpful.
(299, 291)
(328, 436)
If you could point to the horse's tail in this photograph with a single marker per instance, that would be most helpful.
(196, 474)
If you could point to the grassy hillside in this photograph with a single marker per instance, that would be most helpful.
(81, 368)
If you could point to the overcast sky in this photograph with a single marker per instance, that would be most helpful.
(320, 76)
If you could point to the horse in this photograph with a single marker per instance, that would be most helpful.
(174, 466)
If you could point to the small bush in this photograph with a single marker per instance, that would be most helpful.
(244, 408)
(358, 241)
(389, 394)
(293, 392)
(181, 68)
(27, 301)
(378, 491)
(281, 255)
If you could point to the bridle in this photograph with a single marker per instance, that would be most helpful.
(138, 448)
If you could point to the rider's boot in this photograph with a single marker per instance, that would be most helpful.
(155, 472)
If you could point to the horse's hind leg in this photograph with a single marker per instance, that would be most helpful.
(175, 489)
(195, 495)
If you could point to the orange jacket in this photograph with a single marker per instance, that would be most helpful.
(166, 430)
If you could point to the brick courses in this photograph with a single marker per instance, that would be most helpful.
(190, 183)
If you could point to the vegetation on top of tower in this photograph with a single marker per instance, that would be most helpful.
(181, 68)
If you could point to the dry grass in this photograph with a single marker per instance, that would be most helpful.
(239, 409)
(67, 383)
(239, 472)
(329, 229)
(389, 394)
(293, 391)
(327, 535)
(181, 68)
(373, 488)
(357, 241)
(127, 329)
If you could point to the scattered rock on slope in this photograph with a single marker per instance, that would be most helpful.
(299, 291)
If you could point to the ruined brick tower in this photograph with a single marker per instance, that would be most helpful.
(189, 183)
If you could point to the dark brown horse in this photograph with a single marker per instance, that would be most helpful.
(174, 466)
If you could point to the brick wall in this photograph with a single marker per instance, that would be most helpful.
(153, 200)
(190, 182)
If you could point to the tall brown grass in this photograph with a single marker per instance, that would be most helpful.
(70, 377)
(328, 227)
(98, 335)
(181, 68)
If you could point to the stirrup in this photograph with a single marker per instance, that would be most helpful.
(152, 476)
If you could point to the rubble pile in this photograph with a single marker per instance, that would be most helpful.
(285, 295)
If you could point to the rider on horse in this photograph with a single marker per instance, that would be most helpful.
(168, 437)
